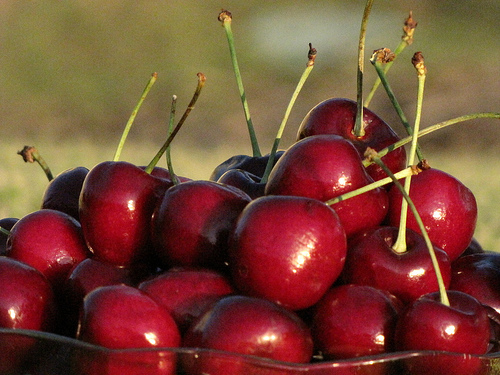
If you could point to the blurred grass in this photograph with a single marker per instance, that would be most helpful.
(71, 72)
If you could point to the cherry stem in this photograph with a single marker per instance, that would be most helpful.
(380, 58)
(418, 63)
(168, 156)
(359, 130)
(4, 231)
(226, 18)
(309, 66)
(131, 119)
(406, 40)
(190, 107)
(30, 155)
(433, 128)
(379, 183)
(442, 289)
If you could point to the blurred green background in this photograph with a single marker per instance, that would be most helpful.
(72, 71)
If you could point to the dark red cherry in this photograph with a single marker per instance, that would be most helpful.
(338, 116)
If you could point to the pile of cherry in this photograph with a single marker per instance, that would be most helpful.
(122, 258)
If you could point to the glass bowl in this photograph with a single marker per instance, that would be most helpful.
(25, 352)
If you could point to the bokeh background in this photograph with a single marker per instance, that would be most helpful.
(72, 71)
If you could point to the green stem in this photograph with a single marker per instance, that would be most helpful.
(433, 128)
(159, 154)
(379, 64)
(418, 62)
(359, 130)
(379, 183)
(131, 119)
(30, 155)
(309, 66)
(168, 156)
(4, 231)
(226, 18)
(430, 247)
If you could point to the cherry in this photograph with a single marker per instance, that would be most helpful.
(50, 241)
(338, 116)
(353, 321)
(116, 206)
(448, 210)
(462, 327)
(479, 276)
(371, 260)
(63, 192)
(119, 317)
(287, 249)
(186, 292)
(192, 222)
(251, 326)
(26, 302)
(324, 167)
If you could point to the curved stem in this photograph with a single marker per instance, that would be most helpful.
(226, 18)
(418, 62)
(359, 130)
(309, 66)
(30, 155)
(168, 156)
(131, 119)
(4, 231)
(159, 154)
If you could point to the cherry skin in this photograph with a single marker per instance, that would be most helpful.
(479, 276)
(26, 302)
(116, 205)
(287, 249)
(253, 164)
(462, 327)
(84, 278)
(63, 192)
(326, 166)
(251, 326)
(187, 292)
(448, 210)
(164, 174)
(192, 222)
(372, 261)
(6, 223)
(50, 241)
(338, 116)
(119, 317)
(244, 180)
(353, 321)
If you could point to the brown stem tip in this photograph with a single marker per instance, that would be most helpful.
(224, 16)
(409, 29)
(28, 153)
(311, 55)
(418, 62)
(383, 55)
